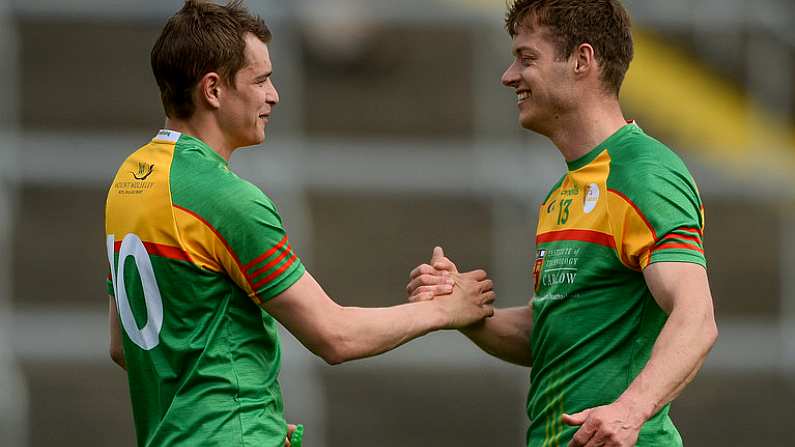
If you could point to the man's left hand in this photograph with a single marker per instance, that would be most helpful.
(614, 425)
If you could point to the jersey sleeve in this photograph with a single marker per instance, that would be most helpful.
(268, 262)
(264, 255)
(237, 230)
(660, 216)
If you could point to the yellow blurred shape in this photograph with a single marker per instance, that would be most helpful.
(681, 98)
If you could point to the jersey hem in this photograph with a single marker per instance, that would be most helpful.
(681, 256)
(291, 277)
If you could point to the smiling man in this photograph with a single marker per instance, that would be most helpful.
(622, 318)
(201, 267)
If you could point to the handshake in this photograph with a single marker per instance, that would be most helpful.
(464, 298)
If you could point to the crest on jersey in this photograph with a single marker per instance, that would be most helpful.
(591, 197)
(537, 266)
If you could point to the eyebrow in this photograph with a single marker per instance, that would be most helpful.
(523, 49)
(263, 76)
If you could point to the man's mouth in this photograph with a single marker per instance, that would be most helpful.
(522, 96)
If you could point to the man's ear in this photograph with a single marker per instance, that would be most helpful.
(584, 59)
(210, 89)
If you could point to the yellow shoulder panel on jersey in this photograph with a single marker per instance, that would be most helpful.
(139, 201)
(209, 249)
(635, 235)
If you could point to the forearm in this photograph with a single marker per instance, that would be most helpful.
(338, 334)
(677, 355)
(363, 332)
(506, 335)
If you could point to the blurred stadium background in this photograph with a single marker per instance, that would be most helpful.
(393, 135)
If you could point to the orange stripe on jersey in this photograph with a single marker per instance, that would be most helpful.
(676, 245)
(265, 255)
(692, 230)
(681, 236)
(276, 273)
(164, 251)
(595, 237)
(271, 264)
(167, 252)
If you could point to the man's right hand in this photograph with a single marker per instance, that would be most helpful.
(471, 300)
(466, 297)
(429, 280)
(506, 335)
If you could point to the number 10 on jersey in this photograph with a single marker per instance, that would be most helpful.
(147, 337)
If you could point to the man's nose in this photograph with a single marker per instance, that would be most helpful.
(510, 77)
(273, 97)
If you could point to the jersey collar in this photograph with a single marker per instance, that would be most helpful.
(172, 137)
(601, 147)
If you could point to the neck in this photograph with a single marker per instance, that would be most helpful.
(586, 127)
(205, 130)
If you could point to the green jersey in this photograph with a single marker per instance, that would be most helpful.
(628, 203)
(193, 251)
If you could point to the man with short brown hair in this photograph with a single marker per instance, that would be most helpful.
(201, 267)
(622, 317)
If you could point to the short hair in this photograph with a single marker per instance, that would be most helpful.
(200, 38)
(604, 24)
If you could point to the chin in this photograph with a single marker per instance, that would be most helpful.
(527, 122)
(259, 138)
(534, 125)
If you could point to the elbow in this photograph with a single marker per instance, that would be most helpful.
(333, 354)
(335, 341)
(338, 342)
(333, 348)
(711, 333)
(332, 358)
(711, 328)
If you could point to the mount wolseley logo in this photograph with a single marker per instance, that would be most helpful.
(144, 171)
(138, 184)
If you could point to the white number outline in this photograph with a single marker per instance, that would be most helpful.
(148, 337)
